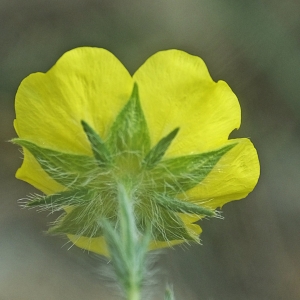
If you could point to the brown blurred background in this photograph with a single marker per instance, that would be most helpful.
(254, 46)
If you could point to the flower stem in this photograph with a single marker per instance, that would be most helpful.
(133, 293)
(127, 246)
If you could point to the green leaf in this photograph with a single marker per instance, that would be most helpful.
(129, 133)
(158, 151)
(81, 221)
(67, 169)
(66, 198)
(100, 151)
(182, 206)
(176, 175)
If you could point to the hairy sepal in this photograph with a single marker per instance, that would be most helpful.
(182, 206)
(168, 226)
(65, 198)
(100, 151)
(82, 221)
(158, 151)
(67, 169)
(176, 175)
(129, 133)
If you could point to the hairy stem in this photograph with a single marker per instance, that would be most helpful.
(127, 246)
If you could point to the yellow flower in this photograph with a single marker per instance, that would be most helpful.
(87, 124)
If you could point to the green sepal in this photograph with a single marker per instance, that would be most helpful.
(158, 151)
(99, 149)
(177, 175)
(67, 169)
(81, 221)
(129, 133)
(66, 198)
(182, 206)
(166, 226)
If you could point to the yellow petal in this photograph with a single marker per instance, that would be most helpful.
(96, 245)
(160, 244)
(85, 84)
(176, 90)
(233, 178)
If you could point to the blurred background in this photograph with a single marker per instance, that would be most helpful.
(254, 253)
